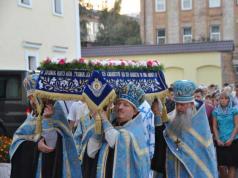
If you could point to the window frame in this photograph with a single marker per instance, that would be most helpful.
(184, 8)
(184, 36)
(156, 6)
(214, 6)
(161, 37)
(215, 33)
(29, 54)
(21, 4)
(54, 8)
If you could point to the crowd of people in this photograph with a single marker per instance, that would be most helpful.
(198, 137)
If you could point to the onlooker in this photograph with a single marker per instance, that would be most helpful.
(169, 103)
(235, 98)
(198, 96)
(225, 128)
(77, 113)
(212, 88)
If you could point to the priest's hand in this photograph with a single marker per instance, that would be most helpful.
(103, 115)
(48, 111)
(43, 147)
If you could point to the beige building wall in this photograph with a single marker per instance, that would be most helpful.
(36, 31)
(202, 68)
(199, 18)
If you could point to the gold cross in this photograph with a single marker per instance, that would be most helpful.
(177, 142)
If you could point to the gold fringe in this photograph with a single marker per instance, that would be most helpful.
(164, 116)
(39, 107)
(150, 97)
(57, 96)
(162, 96)
(93, 107)
(109, 99)
(98, 124)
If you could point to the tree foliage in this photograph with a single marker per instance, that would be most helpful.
(116, 29)
(85, 10)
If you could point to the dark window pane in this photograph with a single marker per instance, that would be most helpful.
(161, 32)
(27, 2)
(2, 88)
(10, 87)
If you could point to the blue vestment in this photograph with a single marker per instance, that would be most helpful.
(26, 132)
(131, 156)
(193, 154)
(148, 121)
(80, 130)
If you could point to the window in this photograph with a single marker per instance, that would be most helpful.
(31, 60)
(58, 7)
(214, 3)
(187, 34)
(235, 65)
(161, 38)
(10, 87)
(25, 3)
(215, 33)
(186, 4)
(32, 63)
(160, 5)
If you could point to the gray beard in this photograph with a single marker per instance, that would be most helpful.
(181, 122)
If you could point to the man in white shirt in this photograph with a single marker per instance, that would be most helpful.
(78, 111)
(66, 105)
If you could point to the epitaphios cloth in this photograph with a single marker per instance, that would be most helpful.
(97, 85)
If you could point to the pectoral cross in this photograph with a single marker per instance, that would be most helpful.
(177, 142)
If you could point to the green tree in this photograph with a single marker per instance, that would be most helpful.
(85, 11)
(116, 29)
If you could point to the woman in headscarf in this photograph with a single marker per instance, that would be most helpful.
(225, 128)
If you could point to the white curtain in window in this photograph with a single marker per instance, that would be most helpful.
(214, 3)
(187, 31)
(160, 5)
(187, 4)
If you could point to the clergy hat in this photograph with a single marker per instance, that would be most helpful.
(133, 94)
(183, 91)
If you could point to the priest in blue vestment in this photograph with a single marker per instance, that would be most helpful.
(49, 154)
(190, 150)
(121, 150)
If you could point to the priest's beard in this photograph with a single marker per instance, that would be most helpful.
(181, 122)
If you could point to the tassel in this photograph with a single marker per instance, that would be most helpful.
(39, 125)
(164, 115)
(98, 124)
(39, 107)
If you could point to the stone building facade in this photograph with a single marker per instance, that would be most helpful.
(188, 21)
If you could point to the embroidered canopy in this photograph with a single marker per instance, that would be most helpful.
(97, 82)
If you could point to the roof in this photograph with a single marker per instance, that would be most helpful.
(122, 50)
